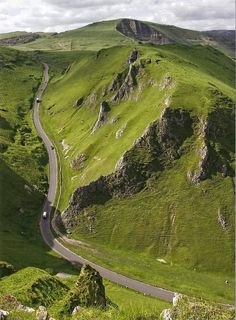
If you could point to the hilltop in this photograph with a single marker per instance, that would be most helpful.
(105, 34)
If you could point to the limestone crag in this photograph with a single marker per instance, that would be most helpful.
(157, 148)
(214, 155)
(88, 292)
(102, 117)
(25, 38)
(127, 86)
(141, 31)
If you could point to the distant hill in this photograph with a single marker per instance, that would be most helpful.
(106, 34)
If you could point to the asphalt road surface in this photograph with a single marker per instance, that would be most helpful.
(45, 223)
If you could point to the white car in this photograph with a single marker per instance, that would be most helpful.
(45, 215)
(38, 100)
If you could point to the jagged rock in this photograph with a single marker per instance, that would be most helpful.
(76, 310)
(78, 103)
(128, 85)
(141, 31)
(166, 314)
(222, 219)
(120, 131)
(29, 37)
(167, 82)
(91, 288)
(3, 314)
(21, 307)
(42, 314)
(79, 161)
(133, 57)
(176, 299)
(88, 292)
(158, 147)
(118, 80)
(215, 133)
(102, 117)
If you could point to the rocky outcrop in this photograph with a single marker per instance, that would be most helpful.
(155, 150)
(3, 314)
(192, 308)
(78, 103)
(42, 314)
(25, 38)
(78, 162)
(141, 31)
(88, 292)
(217, 134)
(102, 117)
(127, 86)
(91, 288)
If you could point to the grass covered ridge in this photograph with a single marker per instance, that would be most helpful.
(172, 219)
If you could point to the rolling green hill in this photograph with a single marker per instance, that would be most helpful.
(121, 32)
(162, 207)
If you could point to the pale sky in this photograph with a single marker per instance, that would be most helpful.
(60, 15)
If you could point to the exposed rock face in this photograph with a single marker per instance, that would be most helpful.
(133, 57)
(3, 314)
(216, 131)
(102, 117)
(78, 103)
(141, 31)
(79, 161)
(29, 37)
(89, 292)
(157, 148)
(42, 314)
(126, 87)
(121, 131)
(166, 314)
(91, 288)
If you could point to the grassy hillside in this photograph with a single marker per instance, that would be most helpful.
(23, 165)
(106, 34)
(33, 287)
(92, 37)
(172, 219)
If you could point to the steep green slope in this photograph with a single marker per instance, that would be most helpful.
(33, 287)
(97, 110)
(23, 165)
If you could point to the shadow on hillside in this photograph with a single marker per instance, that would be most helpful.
(21, 243)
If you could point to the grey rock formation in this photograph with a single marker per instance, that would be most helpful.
(25, 38)
(78, 162)
(3, 314)
(78, 103)
(128, 85)
(141, 31)
(158, 147)
(215, 133)
(133, 56)
(42, 314)
(102, 117)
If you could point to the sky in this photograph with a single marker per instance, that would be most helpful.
(60, 15)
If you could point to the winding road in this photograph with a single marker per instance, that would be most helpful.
(45, 223)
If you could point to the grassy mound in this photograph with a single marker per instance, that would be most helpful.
(33, 287)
